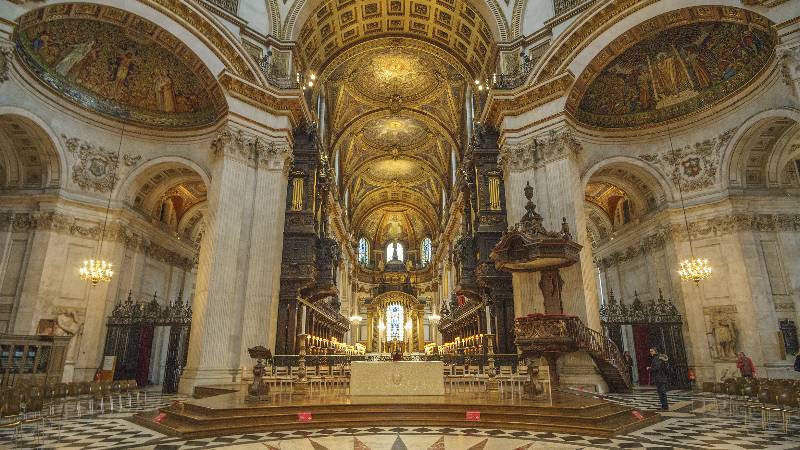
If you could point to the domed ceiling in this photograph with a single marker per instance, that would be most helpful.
(119, 65)
(679, 63)
(395, 114)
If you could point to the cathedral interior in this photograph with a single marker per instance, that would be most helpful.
(339, 213)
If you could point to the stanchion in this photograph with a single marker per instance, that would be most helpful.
(491, 384)
(300, 384)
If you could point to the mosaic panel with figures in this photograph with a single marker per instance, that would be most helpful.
(119, 65)
(673, 71)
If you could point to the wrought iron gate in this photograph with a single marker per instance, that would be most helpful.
(131, 327)
(664, 327)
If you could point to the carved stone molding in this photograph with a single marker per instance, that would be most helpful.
(255, 151)
(115, 232)
(95, 167)
(540, 150)
(5, 63)
(693, 166)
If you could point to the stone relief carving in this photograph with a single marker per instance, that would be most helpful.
(95, 167)
(790, 68)
(721, 331)
(255, 151)
(72, 226)
(694, 166)
(5, 63)
(70, 323)
(554, 145)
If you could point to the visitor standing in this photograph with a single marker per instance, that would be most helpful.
(745, 366)
(659, 373)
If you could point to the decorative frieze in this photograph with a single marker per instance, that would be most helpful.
(554, 145)
(95, 167)
(693, 166)
(115, 232)
(253, 150)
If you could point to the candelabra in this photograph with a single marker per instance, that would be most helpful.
(491, 384)
(300, 384)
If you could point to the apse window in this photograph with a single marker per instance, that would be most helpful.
(363, 251)
(426, 251)
(394, 252)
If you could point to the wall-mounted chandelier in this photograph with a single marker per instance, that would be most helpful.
(98, 270)
(694, 269)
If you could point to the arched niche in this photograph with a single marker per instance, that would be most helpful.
(29, 158)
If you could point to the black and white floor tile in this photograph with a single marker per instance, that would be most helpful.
(680, 430)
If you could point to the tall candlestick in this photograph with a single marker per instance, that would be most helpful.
(303, 320)
(488, 321)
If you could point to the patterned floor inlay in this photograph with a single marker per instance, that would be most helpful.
(679, 430)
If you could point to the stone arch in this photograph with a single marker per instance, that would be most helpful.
(34, 158)
(655, 180)
(760, 149)
(168, 191)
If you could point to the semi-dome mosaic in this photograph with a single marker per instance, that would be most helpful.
(119, 65)
(673, 71)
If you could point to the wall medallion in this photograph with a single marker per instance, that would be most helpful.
(95, 167)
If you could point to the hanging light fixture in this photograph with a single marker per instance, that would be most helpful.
(99, 270)
(694, 269)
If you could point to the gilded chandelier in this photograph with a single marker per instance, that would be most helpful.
(695, 269)
(96, 270)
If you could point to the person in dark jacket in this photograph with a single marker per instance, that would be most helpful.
(659, 374)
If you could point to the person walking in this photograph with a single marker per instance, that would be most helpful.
(745, 366)
(659, 374)
(626, 356)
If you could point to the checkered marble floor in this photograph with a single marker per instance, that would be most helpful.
(679, 430)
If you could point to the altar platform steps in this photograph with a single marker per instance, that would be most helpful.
(228, 414)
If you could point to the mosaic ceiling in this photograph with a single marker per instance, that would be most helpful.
(395, 115)
(119, 65)
(673, 65)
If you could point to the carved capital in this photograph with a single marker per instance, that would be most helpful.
(5, 63)
(251, 149)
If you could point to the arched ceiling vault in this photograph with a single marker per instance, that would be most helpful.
(394, 117)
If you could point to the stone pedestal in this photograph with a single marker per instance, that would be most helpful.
(400, 378)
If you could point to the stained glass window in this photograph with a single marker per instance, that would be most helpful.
(363, 251)
(394, 322)
(426, 251)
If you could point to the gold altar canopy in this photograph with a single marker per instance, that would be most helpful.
(411, 315)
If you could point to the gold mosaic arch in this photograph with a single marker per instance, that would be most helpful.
(365, 126)
(680, 62)
(407, 300)
(390, 196)
(450, 24)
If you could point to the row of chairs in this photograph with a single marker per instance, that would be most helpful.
(475, 378)
(50, 404)
(769, 397)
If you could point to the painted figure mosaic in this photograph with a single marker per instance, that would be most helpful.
(118, 71)
(675, 72)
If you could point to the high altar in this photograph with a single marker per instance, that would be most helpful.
(395, 320)
(392, 378)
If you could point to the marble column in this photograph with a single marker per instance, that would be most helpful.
(246, 182)
(262, 288)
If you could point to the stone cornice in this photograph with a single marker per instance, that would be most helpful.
(73, 226)
(518, 102)
(706, 228)
(289, 104)
(251, 149)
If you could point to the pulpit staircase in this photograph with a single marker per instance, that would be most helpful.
(551, 335)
